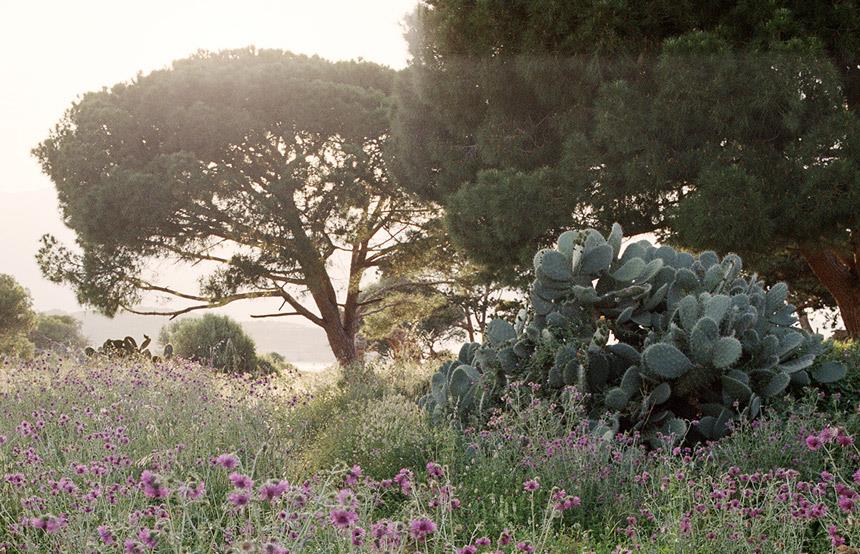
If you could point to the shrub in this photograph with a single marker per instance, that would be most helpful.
(697, 339)
(382, 435)
(17, 318)
(274, 362)
(57, 332)
(215, 340)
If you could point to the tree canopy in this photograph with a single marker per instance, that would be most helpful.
(730, 125)
(57, 332)
(17, 317)
(261, 165)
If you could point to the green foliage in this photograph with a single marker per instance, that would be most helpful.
(409, 321)
(274, 362)
(697, 339)
(672, 117)
(382, 435)
(272, 156)
(57, 332)
(17, 318)
(212, 339)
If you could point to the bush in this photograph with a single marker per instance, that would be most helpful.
(382, 435)
(17, 318)
(214, 340)
(697, 339)
(57, 332)
(845, 395)
(275, 363)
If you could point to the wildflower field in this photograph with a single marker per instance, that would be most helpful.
(130, 456)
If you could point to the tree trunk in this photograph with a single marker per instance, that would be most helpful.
(839, 276)
(342, 344)
(803, 319)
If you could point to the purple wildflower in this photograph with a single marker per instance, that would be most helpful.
(227, 461)
(343, 518)
(241, 481)
(421, 527)
(531, 485)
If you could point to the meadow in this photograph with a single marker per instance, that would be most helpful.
(129, 456)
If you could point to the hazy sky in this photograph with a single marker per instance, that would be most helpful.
(51, 52)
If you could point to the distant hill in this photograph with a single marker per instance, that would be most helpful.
(302, 345)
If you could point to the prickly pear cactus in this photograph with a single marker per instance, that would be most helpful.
(660, 338)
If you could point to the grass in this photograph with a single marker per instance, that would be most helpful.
(109, 456)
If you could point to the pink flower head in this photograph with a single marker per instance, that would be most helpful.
(241, 481)
(274, 548)
(152, 485)
(105, 535)
(148, 537)
(835, 538)
(813, 442)
(358, 534)
(227, 461)
(192, 491)
(239, 498)
(434, 470)
(273, 489)
(353, 474)
(421, 527)
(343, 518)
(531, 485)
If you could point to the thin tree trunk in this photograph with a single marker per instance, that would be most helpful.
(839, 276)
(803, 319)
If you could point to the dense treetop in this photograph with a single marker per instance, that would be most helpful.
(730, 126)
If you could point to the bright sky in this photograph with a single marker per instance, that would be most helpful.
(53, 51)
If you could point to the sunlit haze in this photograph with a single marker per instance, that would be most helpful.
(54, 51)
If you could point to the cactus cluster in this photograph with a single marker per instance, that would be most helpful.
(658, 337)
(127, 348)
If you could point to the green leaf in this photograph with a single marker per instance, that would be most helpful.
(597, 260)
(802, 362)
(666, 361)
(567, 241)
(661, 393)
(734, 389)
(703, 338)
(616, 399)
(775, 296)
(614, 240)
(556, 266)
(629, 271)
(653, 267)
(688, 312)
(828, 372)
(500, 331)
(630, 381)
(717, 306)
(727, 351)
(777, 384)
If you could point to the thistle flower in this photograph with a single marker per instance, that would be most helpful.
(421, 527)
(227, 461)
(105, 535)
(239, 498)
(343, 518)
(241, 481)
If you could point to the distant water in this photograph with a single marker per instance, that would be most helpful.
(313, 366)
